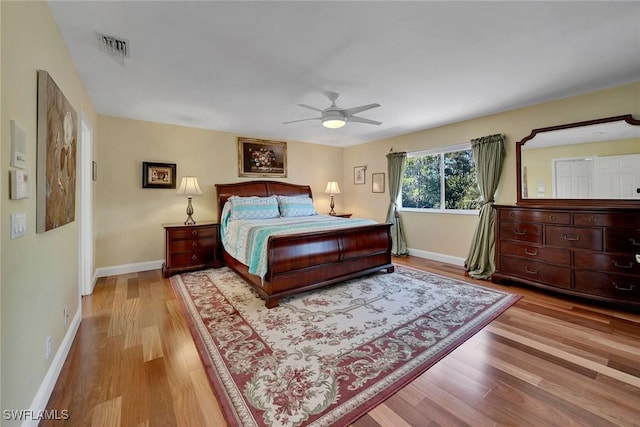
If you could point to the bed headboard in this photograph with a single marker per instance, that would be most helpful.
(259, 188)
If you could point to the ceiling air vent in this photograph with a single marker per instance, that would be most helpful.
(115, 47)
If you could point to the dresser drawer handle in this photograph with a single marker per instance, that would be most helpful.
(552, 217)
(620, 288)
(531, 271)
(634, 242)
(592, 219)
(194, 232)
(194, 244)
(570, 237)
(519, 233)
(194, 257)
(615, 263)
(526, 251)
(512, 214)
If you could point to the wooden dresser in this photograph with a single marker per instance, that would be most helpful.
(190, 247)
(584, 251)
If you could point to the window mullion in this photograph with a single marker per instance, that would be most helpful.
(442, 187)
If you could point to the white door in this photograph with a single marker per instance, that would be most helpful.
(86, 208)
(618, 177)
(573, 178)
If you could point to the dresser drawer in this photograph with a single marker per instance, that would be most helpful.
(191, 245)
(192, 232)
(607, 262)
(574, 237)
(622, 240)
(619, 286)
(537, 253)
(536, 271)
(549, 217)
(613, 219)
(523, 232)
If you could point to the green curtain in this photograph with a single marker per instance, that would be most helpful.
(488, 156)
(396, 163)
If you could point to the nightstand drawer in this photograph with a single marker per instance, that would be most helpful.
(193, 232)
(187, 259)
(192, 245)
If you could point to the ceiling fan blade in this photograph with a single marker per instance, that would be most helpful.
(310, 107)
(301, 120)
(356, 110)
(362, 120)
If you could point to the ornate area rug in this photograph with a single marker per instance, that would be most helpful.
(326, 357)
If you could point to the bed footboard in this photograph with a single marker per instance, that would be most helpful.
(301, 262)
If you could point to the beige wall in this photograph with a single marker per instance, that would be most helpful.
(450, 234)
(40, 270)
(129, 217)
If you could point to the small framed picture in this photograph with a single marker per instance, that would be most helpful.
(158, 175)
(359, 173)
(377, 182)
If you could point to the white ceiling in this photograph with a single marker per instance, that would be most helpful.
(242, 67)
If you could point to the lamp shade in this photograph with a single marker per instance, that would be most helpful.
(332, 188)
(189, 186)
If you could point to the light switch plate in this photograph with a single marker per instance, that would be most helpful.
(18, 224)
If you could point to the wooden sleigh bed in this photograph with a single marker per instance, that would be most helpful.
(304, 261)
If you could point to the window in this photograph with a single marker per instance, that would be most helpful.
(442, 179)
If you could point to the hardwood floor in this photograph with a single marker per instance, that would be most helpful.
(547, 361)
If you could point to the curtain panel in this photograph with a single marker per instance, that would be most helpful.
(396, 164)
(488, 156)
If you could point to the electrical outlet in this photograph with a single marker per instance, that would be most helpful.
(47, 351)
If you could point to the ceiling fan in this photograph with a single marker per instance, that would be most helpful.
(335, 117)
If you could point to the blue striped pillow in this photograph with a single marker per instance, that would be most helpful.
(254, 207)
(296, 206)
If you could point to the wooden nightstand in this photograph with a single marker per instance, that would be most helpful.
(343, 215)
(190, 247)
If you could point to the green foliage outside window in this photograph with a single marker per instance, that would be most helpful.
(422, 185)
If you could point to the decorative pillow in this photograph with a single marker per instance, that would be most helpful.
(254, 207)
(296, 206)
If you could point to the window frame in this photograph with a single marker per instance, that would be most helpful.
(441, 151)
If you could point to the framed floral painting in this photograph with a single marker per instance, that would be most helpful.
(260, 157)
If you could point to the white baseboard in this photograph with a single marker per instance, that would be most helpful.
(128, 268)
(48, 383)
(437, 257)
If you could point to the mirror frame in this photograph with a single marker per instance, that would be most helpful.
(569, 202)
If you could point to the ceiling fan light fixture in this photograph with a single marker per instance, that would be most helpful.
(333, 123)
(333, 120)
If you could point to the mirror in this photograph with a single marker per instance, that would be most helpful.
(592, 162)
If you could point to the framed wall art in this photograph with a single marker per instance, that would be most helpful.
(359, 173)
(158, 175)
(57, 137)
(260, 157)
(377, 182)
